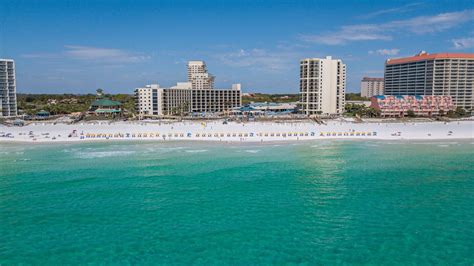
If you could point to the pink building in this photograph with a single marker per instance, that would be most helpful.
(398, 106)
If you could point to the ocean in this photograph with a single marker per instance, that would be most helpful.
(181, 203)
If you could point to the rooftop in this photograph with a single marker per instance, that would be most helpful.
(372, 79)
(426, 56)
(105, 102)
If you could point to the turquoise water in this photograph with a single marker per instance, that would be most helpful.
(331, 202)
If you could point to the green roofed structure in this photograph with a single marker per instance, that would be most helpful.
(104, 106)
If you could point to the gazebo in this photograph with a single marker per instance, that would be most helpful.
(42, 114)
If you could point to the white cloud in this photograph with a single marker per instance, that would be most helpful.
(87, 53)
(259, 59)
(385, 51)
(93, 54)
(384, 31)
(363, 32)
(463, 43)
(400, 9)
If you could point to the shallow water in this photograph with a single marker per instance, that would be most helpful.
(325, 202)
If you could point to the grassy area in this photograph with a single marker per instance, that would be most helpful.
(66, 103)
(355, 97)
(277, 98)
(286, 98)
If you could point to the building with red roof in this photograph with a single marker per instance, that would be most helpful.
(448, 74)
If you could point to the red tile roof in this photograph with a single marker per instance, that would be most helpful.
(422, 57)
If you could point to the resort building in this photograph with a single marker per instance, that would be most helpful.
(8, 105)
(195, 97)
(322, 86)
(400, 105)
(449, 74)
(371, 86)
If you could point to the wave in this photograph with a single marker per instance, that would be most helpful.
(102, 154)
(195, 151)
(252, 151)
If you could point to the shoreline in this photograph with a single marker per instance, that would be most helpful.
(233, 132)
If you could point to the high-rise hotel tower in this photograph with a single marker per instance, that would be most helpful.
(199, 77)
(322, 86)
(448, 74)
(7, 88)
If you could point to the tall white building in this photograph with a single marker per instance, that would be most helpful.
(322, 86)
(198, 76)
(8, 106)
(371, 87)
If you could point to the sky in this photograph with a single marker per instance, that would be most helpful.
(77, 46)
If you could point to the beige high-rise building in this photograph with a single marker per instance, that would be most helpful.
(445, 74)
(322, 86)
(371, 86)
(8, 104)
(199, 77)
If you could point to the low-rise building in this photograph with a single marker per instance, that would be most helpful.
(103, 106)
(371, 86)
(401, 105)
(266, 109)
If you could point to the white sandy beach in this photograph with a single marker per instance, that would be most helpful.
(235, 132)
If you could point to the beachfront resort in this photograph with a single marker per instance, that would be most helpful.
(439, 85)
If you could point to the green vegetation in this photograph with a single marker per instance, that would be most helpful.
(360, 110)
(459, 112)
(277, 98)
(355, 97)
(410, 113)
(66, 103)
